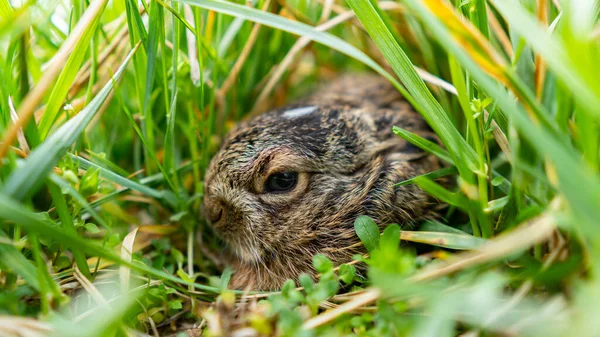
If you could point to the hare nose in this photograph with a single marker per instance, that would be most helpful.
(214, 210)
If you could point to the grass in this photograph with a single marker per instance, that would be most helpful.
(111, 110)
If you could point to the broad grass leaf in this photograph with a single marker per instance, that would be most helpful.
(6, 10)
(436, 226)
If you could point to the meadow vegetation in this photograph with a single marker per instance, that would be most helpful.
(111, 110)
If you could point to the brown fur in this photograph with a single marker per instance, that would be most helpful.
(348, 161)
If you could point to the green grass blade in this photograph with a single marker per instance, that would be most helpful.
(446, 171)
(117, 179)
(12, 259)
(436, 226)
(431, 110)
(6, 10)
(151, 154)
(66, 78)
(423, 144)
(441, 193)
(169, 162)
(147, 121)
(29, 177)
(67, 223)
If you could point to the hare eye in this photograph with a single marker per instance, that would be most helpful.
(281, 182)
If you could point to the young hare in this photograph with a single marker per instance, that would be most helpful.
(290, 183)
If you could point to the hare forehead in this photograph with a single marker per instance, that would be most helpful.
(299, 112)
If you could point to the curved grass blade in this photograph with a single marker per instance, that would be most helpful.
(117, 179)
(436, 117)
(436, 226)
(424, 144)
(446, 171)
(67, 76)
(437, 191)
(29, 177)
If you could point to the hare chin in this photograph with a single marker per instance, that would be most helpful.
(245, 250)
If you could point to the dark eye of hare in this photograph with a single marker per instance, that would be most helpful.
(281, 182)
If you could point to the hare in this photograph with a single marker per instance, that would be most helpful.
(289, 184)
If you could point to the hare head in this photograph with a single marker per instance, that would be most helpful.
(289, 184)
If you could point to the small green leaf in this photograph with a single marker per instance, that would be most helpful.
(182, 274)
(91, 228)
(347, 273)
(225, 278)
(288, 286)
(71, 177)
(89, 182)
(306, 282)
(322, 263)
(175, 305)
(367, 231)
(390, 239)
(178, 256)
(497, 181)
